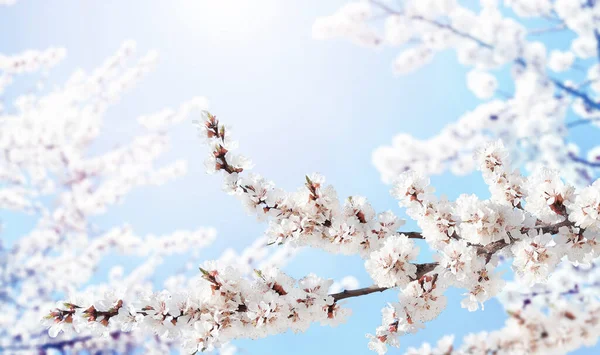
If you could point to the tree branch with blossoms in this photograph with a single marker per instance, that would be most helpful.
(534, 220)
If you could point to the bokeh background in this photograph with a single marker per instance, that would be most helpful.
(297, 106)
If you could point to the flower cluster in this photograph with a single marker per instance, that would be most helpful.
(531, 120)
(312, 216)
(390, 265)
(557, 317)
(222, 306)
(420, 301)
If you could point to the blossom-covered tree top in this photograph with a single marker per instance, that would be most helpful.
(554, 89)
(536, 221)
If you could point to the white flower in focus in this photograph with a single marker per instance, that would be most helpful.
(412, 189)
(535, 257)
(585, 211)
(457, 258)
(493, 159)
(390, 266)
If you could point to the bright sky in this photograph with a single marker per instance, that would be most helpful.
(297, 106)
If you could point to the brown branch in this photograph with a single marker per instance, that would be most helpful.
(492, 248)
(412, 235)
(358, 292)
(422, 269)
(553, 229)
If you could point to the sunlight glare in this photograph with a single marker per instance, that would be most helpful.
(227, 19)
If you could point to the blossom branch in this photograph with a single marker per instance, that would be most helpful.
(466, 234)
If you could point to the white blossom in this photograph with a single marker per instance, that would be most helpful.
(390, 266)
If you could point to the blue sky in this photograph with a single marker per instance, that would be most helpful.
(297, 106)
